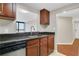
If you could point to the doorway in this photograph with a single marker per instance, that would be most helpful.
(64, 30)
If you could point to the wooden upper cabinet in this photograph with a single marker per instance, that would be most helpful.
(44, 17)
(1, 8)
(7, 11)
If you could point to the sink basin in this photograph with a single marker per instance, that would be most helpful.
(36, 36)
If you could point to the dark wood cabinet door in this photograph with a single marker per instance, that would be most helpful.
(7, 10)
(44, 17)
(32, 48)
(43, 41)
(14, 10)
(43, 46)
(41, 17)
(32, 51)
(1, 8)
(43, 51)
(40, 47)
(50, 44)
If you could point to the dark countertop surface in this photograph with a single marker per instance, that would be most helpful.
(14, 41)
(14, 37)
(22, 38)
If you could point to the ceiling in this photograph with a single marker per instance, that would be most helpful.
(70, 13)
(48, 6)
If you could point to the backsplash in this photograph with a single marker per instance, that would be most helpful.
(7, 26)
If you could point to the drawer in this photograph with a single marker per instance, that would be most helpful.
(43, 41)
(51, 36)
(32, 50)
(32, 42)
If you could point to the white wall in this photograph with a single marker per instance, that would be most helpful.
(7, 26)
(65, 8)
(76, 27)
(64, 30)
(31, 19)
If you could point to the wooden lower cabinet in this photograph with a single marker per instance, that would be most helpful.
(33, 51)
(43, 47)
(40, 46)
(50, 43)
(32, 48)
(43, 51)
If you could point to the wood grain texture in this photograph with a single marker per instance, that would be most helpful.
(32, 48)
(1, 8)
(69, 50)
(8, 10)
(43, 46)
(76, 43)
(40, 46)
(50, 44)
(44, 17)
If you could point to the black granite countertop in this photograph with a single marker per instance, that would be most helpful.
(15, 39)
(10, 37)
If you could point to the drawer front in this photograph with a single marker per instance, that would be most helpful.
(51, 36)
(43, 41)
(32, 48)
(32, 51)
(33, 42)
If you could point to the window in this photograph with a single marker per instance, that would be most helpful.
(20, 26)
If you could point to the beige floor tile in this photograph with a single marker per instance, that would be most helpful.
(55, 53)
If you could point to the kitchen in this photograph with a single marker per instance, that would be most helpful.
(29, 29)
(20, 28)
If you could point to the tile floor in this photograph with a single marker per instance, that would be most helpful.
(55, 53)
(21, 53)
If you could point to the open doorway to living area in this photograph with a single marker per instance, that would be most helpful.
(68, 32)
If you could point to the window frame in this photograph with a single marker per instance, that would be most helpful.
(18, 26)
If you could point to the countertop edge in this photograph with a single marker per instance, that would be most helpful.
(27, 38)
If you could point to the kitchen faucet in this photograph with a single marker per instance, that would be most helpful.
(32, 28)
